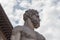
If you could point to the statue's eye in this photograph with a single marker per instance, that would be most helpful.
(38, 16)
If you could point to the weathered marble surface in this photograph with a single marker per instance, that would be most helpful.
(26, 32)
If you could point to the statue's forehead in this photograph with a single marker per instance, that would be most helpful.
(36, 14)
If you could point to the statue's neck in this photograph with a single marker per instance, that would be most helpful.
(29, 24)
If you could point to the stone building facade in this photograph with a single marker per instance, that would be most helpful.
(5, 25)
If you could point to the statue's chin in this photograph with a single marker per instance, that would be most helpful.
(37, 25)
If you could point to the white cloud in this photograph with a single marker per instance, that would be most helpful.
(50, 15)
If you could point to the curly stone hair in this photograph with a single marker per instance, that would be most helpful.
(29, 13)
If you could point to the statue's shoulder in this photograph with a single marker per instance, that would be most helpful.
(40, 36)
(17, 28)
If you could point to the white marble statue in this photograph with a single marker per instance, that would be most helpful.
(26, 32)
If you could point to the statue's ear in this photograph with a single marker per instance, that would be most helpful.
(29, 21)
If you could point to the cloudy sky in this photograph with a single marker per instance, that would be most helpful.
(49, 11)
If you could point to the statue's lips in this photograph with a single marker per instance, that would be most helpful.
(37, 24)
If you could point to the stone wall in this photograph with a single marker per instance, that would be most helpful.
(5, 25)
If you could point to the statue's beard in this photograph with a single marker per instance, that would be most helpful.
(35, 23)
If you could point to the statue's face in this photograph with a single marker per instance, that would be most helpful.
(36, 20)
